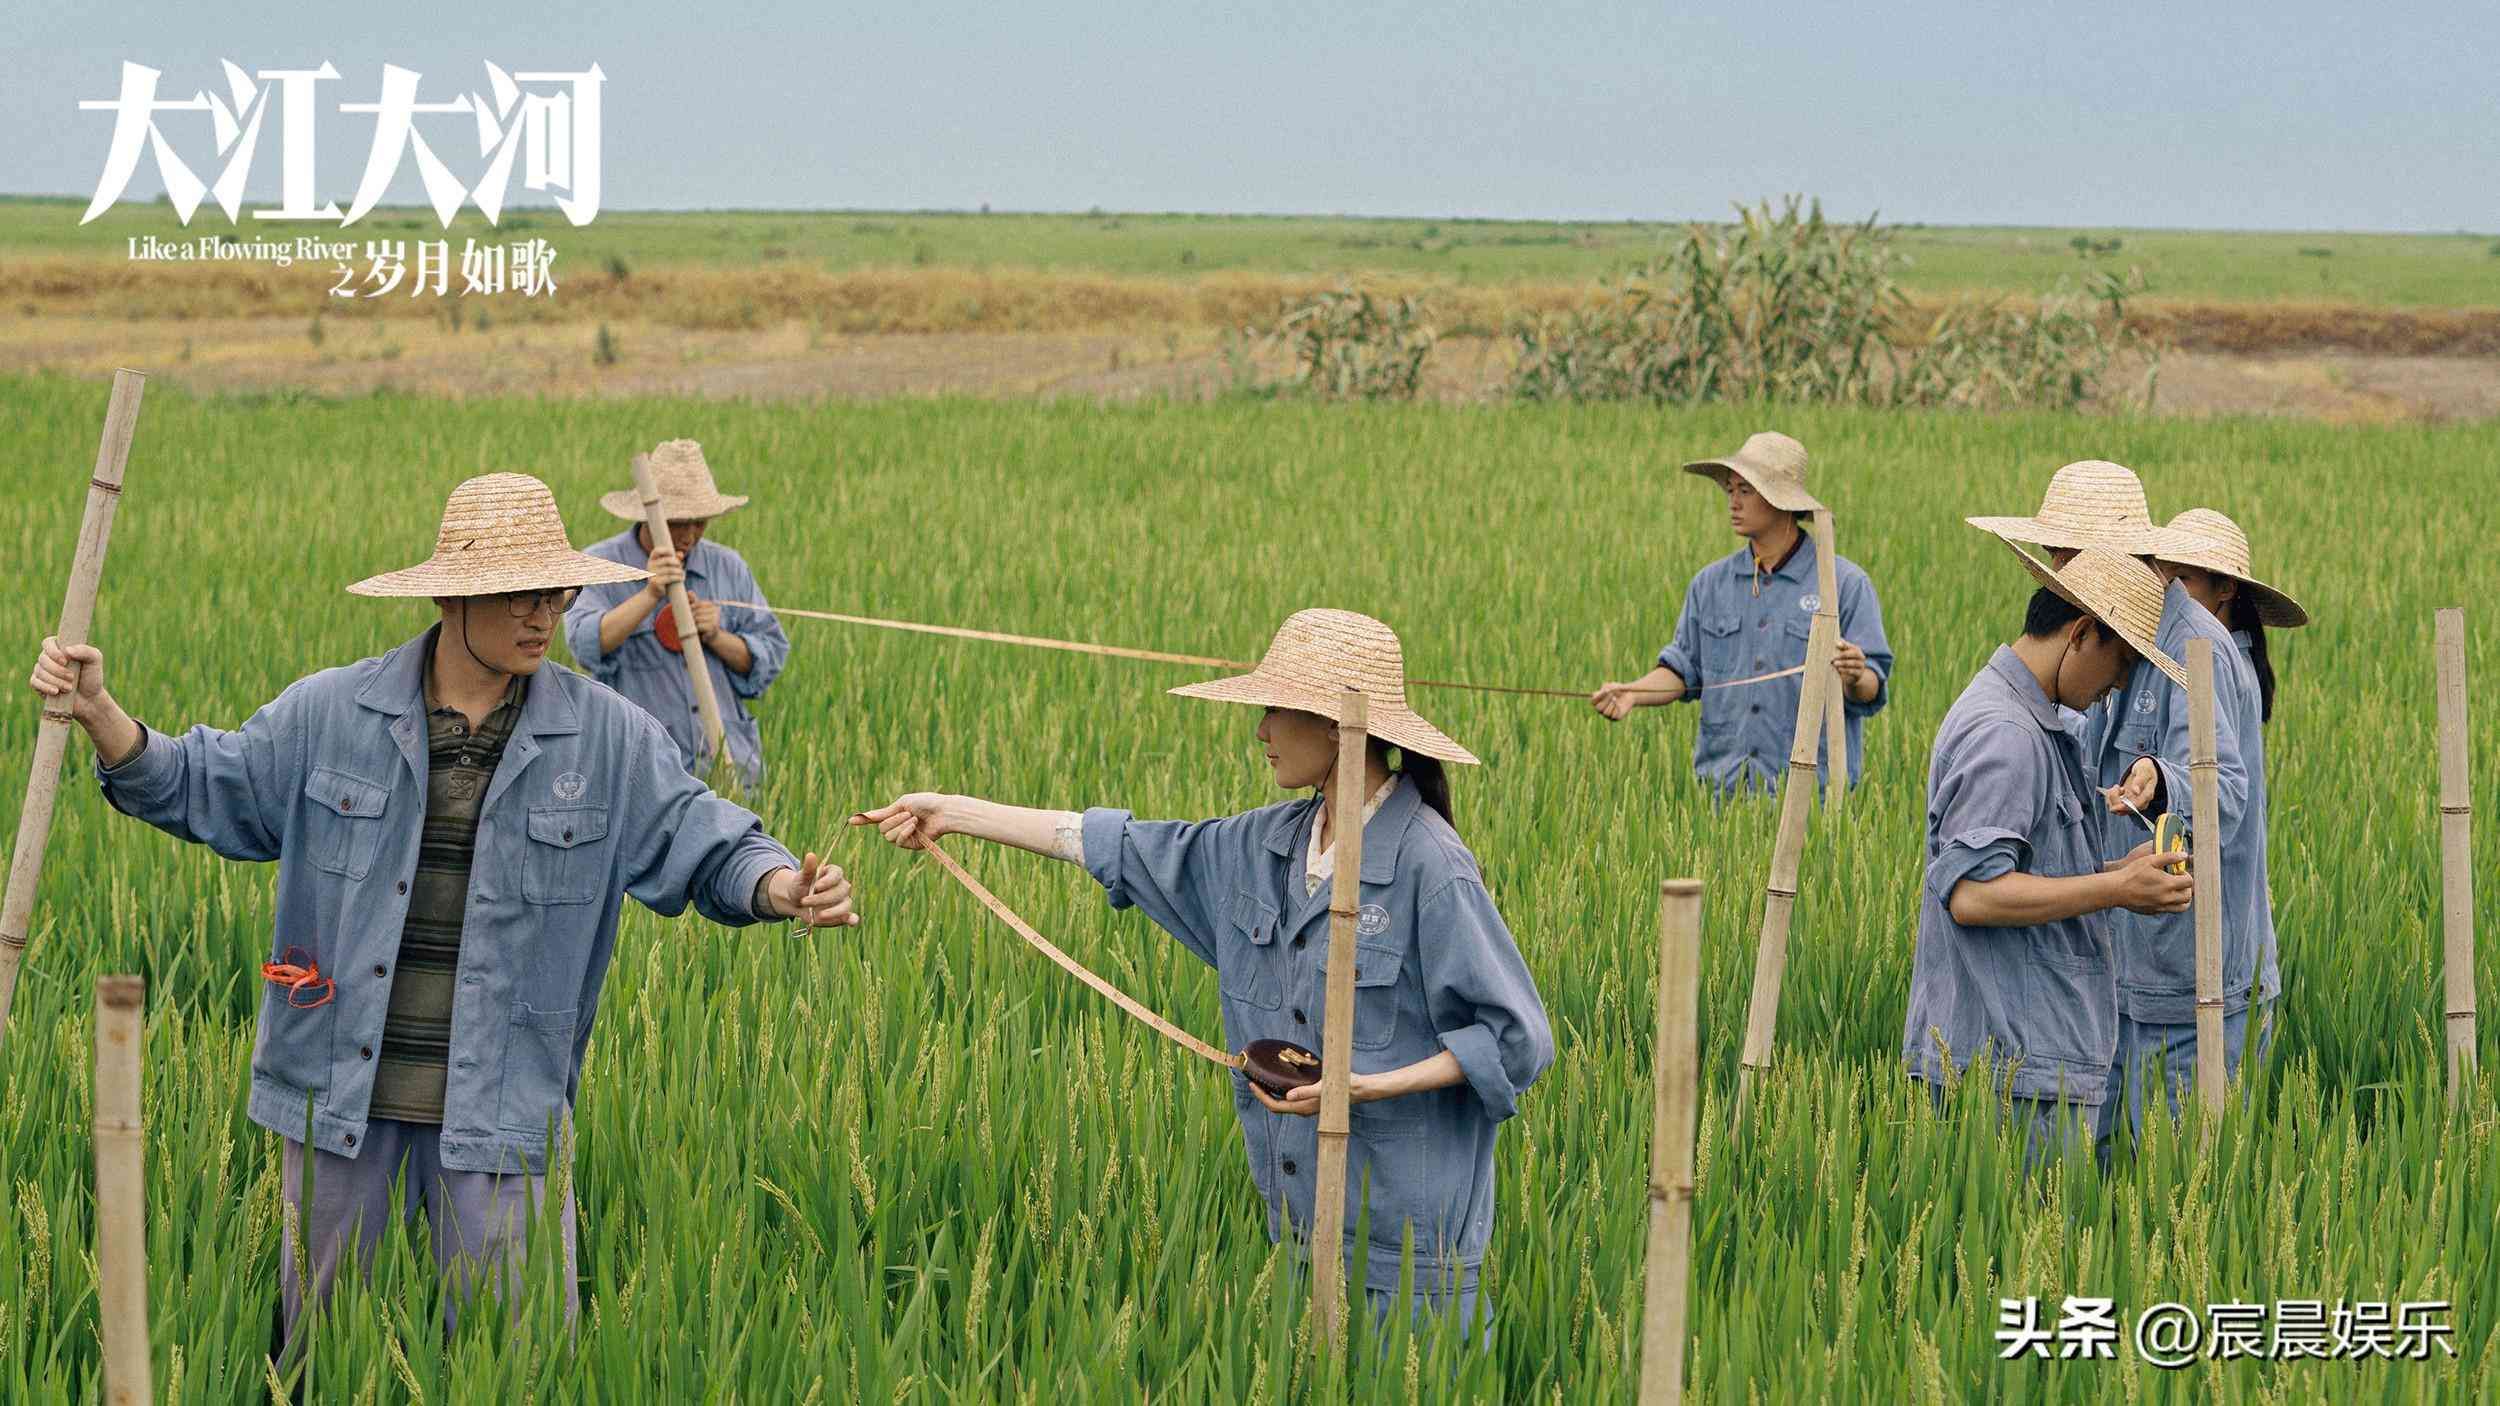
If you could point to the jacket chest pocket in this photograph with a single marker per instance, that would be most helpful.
(2076, 850)
(1245, 968)
(565, 861)
(1377, 967)
(343, 821)
(1722, 640)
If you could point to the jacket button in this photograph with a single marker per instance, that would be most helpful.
(1297, 1017)
(568, 835)
(381, 970)
(364, 1052)
(403, 886)
(1288, 1162)
(346, 803)
(1299, 939)
(1756, 708)
(351, 1139)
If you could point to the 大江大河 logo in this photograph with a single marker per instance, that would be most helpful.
(546, 122)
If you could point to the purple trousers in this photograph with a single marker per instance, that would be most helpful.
(480, 1221)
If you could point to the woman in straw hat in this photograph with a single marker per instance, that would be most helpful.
(626, 638)
(2136, 744)
(1749, 613)
(2212, 567)
(1448, 1028)
(2013, 959)
(453, 822)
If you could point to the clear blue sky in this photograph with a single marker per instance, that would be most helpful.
(2296, 114)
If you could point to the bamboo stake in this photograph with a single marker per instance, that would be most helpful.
(121, 1212)
(2206, 818)
(1835, 710)
(1779, 901)
(2456, 847)
(1336, 1054)
(698, 673)
(1675, 1076)
(43, 782)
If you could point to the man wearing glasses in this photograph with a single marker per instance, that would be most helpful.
(454, 823)
(626, 638)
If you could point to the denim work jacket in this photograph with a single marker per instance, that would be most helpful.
(2006, 791)
(651, 676)
(1727, 630)
(2149, 718)
(591, 801)
(1436, 969)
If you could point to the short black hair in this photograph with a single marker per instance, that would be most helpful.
(2049, 613)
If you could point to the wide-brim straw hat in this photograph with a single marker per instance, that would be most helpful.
(2223, 548)
(1774, 464)
(1315, 656)
(2090, 503)
(500, 532)
(2115, 589)
(685, 482)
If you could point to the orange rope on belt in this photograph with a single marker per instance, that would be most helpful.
(1153, 656)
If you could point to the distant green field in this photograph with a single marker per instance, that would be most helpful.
(914, 1163)
(2389, 270)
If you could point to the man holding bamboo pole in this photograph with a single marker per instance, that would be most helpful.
(2136, 745)
(454, 824)
(1749, 614)
(2013, 958)
(626, 637)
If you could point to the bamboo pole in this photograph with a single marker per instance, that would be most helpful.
(2206, 817)
(2456, 848)
(43, 781)
(1675, 1075)
(1835, 709)
(121, 1210)
(698, 673)
(1779, 901)
(1336, 1054)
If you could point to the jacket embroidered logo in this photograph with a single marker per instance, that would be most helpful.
(570, 785)
(1370, 920)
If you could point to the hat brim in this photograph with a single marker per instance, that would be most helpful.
(2143, 643)
(433, 577)
(1782, 499)
(1394, 724)
(2275, 610)
(2144, 541)
(625, 503)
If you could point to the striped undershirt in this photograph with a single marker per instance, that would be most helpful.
(416, 1034)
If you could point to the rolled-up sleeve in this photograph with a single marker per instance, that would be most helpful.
(1683, 654)
(1178, 872)
(768, 645)
(1986, 807)
(1862, 624)
(684, 843)
(1483, 1003)
(230, 791)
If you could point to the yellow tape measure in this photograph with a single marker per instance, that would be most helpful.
(2170, 836)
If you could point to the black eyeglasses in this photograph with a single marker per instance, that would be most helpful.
(521, 605)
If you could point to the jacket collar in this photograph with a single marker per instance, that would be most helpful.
(2015, 676)
(1288, 832)
(397, 687)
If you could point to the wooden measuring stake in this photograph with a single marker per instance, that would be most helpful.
(121, 1210)
(1676, 1077)
(1336, 1050)
(1770, 965)
(43, 780)
(1835, 708)
(2456, 852)
(698, 673)
(2204, 784)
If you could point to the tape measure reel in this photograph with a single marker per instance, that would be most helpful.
(2170, 836)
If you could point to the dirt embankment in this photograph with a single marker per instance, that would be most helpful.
(949, 300)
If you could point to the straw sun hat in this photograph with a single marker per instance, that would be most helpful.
(2115, 589)
(1773, 463)
(500, 532)
(1314, 657)
(2223, 548)
(2091, 503)
(685, 483)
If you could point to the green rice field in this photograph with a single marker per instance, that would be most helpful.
(912, 1162)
